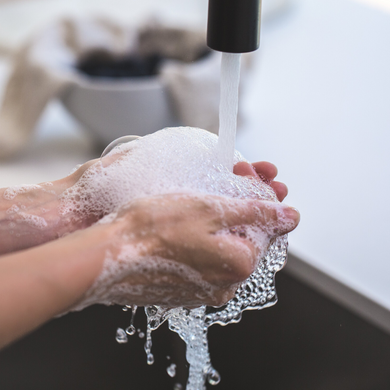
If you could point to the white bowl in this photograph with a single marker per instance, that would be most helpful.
(109, 108)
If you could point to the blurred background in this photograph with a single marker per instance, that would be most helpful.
(315, 100)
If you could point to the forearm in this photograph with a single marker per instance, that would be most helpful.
(40, 283)
(30, 215)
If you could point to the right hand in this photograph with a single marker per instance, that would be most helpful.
(184, 250)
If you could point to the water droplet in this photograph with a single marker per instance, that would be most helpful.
(154, 324)
(171, 370)
(150, 359)
(178, 386)
(213, 377)
(141, 335)
(121, 336)
(152, 310)
(130, 330)
(124, 308)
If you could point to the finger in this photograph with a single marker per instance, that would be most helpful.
(80, 171)
(266, 169)
(238, 258)
(108, 159)
(280, 189)
(244, 169)
(275, 218)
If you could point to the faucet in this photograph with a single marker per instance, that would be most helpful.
(234, 25)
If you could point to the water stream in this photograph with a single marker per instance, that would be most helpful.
(228, 108)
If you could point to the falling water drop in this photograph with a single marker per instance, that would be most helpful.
(171, 370)
(213, 377)
(121, 336)
(130, 330)
(150, 359)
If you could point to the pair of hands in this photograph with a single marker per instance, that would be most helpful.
(182, 230)
(163, 250)
(186, 230)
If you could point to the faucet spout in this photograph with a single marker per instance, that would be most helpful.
(234, 25)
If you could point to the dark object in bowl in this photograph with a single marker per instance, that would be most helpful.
(125, 67)
(105, 65)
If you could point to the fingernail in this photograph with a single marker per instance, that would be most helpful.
(292, 213)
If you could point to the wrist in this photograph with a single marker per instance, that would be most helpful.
(30, 215)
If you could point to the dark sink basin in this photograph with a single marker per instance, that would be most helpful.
(305, 342)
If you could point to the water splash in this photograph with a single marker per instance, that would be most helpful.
(257, 292)
(148, 346)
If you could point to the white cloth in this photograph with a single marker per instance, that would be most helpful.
(45, 66)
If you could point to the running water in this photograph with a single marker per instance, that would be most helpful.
(228, 107)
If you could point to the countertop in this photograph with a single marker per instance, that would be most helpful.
(318, 107)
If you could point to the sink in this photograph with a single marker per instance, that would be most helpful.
(305, 341)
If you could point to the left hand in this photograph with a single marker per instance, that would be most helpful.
(42, 203)
(264, 171)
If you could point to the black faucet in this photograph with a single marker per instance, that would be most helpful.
(234, 25)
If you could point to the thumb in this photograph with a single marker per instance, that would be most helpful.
(272, 217)
(276, 218)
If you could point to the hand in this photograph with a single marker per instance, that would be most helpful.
(265, 171)
(189, 253)
(182, 250)
(30, 217)
(29, 214)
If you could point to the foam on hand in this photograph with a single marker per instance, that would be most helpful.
(173, 160)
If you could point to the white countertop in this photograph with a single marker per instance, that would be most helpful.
(318, 106)
(320, 109)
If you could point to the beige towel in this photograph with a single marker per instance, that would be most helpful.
(44, 68)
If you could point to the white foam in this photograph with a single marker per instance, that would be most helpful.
(13, 209)
(11, 192)
(173, 160)
(112, 287)
(33, 220)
